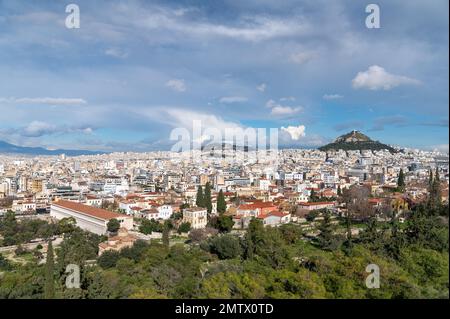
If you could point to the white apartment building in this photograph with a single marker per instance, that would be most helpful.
(164, 211)
(196, 216)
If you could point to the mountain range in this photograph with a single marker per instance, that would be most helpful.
(7, 148)
(354, 140)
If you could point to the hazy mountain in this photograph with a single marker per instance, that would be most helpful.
(6, 148)
(355, 141)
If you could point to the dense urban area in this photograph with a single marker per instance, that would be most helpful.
(161, 225)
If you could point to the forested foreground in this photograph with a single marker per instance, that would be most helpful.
(262, 263)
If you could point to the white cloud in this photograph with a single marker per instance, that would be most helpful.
(117, 53)
(288, 98)
(176, 85)
(262, 87)
(256, 28)
(38, 128)
(233, 99)
(185, 118)
(332, 96)
(295, 132)
(376, 78)
(303, 57)
(282, 110)
(285, 110)
(43, 100)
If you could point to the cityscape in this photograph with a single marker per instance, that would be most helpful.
(168, 156)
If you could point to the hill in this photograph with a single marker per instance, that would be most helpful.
(7, 148)
(356, 140)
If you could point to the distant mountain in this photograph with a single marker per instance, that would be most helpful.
(356, 140)
(6, 148)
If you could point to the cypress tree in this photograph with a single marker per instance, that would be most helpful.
(165, 236)
(349, 241)
(200, 200)
(401, 180)
(221, 204)
(339, 191)
(49, 287)
(326, 238)
(436, 188)
(207, 198)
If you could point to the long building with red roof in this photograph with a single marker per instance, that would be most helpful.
(89, 218)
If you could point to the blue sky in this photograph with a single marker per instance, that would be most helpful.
(137, 69)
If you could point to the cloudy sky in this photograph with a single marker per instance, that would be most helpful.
(135, 70)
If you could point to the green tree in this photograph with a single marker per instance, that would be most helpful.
(166, 235)
(207, 198)
(49, 287)
(312, 196)
(326, 238)
(200, 200)
(4, 263)
(184, 228)
(221, 204)
(113, 225)
(225, 223)
(254, 234)
(66, 225)
(149, 226)
(108, 259)
(348, 244)
(437, 189)
(225, 246)
(401, 180)
(339, 191)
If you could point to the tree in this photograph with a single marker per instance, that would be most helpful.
(290, 233)
(66, 225)
(401, 181)
(312, 196)
(149, 226)
(49, 287)
(200, 200)
(184, 206)
(371, 235)
(207, 198)
(326, 238)
(4, 263)
(108, 259)
(356, 199)
(312, 215)
(221, 204)
(225, 223)
(166, 236)
(339, 191)
(184, 227)
(113, 225)
(436, 189)
(225, 246)
(348, 244)
(255, 234)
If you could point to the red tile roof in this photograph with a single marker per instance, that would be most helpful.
(88, 210)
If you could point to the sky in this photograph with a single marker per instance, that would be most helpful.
(136, 70)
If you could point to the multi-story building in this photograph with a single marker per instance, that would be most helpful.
(196, 216)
